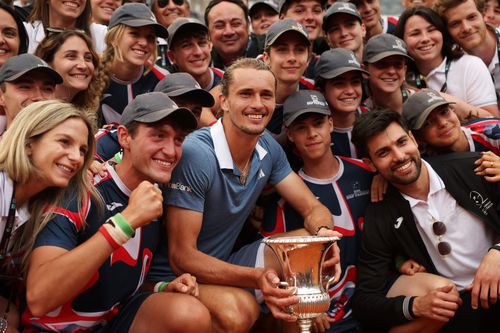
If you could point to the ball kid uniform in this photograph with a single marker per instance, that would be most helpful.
(119, 93)
(114, 286)
(483, 134)
(346, 195)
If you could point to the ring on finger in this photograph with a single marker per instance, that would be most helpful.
(491, 164)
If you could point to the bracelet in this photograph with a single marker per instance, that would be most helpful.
(321, 227)
(495, 247)
(124, 225)
(160, 286)
(108, 237)
(114, 235)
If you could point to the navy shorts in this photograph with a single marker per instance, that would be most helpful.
(123, 320)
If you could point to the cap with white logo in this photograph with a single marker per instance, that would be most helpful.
(419, 106)
(303, 102)
(383, 46)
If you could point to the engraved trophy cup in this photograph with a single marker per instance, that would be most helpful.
(301, 260)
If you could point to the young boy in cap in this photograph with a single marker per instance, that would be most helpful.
(262, 14)
(182, 88)
(385, 57)
(90, 259)
(344, 28)
(287, 54)
(375, 23)
(25, 79)
(340, 78)
(189, 50)
(341, 184)
(309, 13)
(437, 128)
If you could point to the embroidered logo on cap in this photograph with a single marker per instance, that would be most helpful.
(434, 97)
(316, 101)
(399, 45)
(346, 7)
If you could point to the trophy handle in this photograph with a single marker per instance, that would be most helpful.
(328, 280)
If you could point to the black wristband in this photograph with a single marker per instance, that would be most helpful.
(495, 247)
(410, 307)
(321, 227)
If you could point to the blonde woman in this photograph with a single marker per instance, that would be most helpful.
(130, 45)
(48, 147)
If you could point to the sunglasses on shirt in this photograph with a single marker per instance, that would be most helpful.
(439, 229)
(164, 3)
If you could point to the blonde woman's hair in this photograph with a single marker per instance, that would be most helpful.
(112, 52)
(29, 126)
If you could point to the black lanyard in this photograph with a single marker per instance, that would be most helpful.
(446, 70)
(11, 217)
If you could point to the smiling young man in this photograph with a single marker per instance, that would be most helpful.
(25, 79)
(341, 184)
(239, 159)
(189, 50)
(287, 50)
(344, 28)
(429, 212)
(468, 29)
(91, 258)
(372, 18)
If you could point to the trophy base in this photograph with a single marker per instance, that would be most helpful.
(305, 325)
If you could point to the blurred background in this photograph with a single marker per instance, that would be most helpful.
(389, 7)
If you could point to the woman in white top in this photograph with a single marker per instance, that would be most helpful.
(461, 78)
(57, 15)
(48, 148)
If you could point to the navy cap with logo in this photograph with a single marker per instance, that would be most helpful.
(382, 46)
(302, 102)
(280, 27)
(262, 3)
(335, 62)
(341, 7)
(136, 15)
(155, 106)
(282, 3)
(419, 106)
(183, 23)
(19, 65)
(178, 84)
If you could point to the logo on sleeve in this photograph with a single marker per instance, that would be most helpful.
(398, 223)
(483, 203)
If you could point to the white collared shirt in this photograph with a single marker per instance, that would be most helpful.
(469, 237)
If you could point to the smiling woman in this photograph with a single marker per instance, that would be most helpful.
(49, 147)
(71, 54)
(127, 69)
(13, 38)
(57, 15)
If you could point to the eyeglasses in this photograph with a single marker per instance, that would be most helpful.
(439, 229)
(164, 3)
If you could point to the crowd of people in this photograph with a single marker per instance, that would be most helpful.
(147, 150)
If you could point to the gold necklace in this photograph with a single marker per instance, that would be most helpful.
(244, 172)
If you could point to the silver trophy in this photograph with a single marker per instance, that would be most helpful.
(301, 260)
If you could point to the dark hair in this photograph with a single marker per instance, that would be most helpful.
(252, 63)
(46, 50)
(449, 49)
(213, 3)
(23, 36)
(191, 32)
(372, 123)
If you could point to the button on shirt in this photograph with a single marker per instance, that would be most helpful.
(468, 236)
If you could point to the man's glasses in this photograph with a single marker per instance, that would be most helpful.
(164, 3)
(439, 229)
